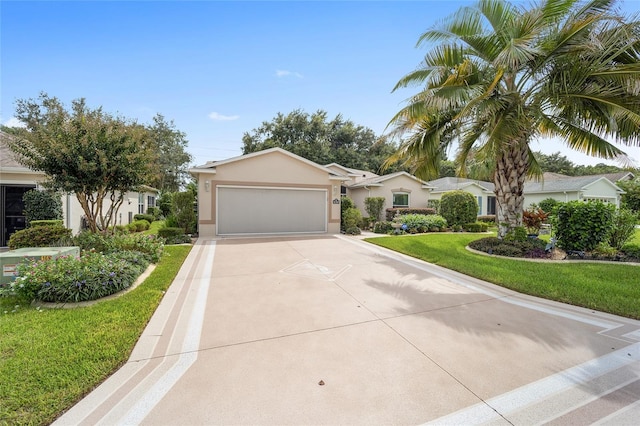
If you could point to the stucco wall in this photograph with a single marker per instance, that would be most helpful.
(476, 192)
(418, 196)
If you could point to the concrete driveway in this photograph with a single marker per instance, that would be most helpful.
(332, 330)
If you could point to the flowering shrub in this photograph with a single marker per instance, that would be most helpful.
(69, 279)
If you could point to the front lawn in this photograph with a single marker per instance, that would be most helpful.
(51, 358)
(612, 288)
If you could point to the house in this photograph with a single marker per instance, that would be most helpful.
(399, 189)
(483, 191)
(559, 187)
(15, 180)
(572, 188)
(265, 193)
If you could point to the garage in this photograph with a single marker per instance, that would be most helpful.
(270, 192)
(262, 210)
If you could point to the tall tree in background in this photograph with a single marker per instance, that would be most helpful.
(323, 141)
(83, 151)
(172, 160)
(501, 75)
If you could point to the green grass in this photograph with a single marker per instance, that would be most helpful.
(153, 229)
(604, 287)
(51, 358)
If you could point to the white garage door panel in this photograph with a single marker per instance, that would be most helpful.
(243, 210)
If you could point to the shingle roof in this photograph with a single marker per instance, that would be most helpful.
(575, 183)
(377, 180)
(446, 184)
(7, 157)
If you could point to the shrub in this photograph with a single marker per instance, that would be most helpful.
(548, 204)
(382, 227)
(97, 241)
(168, 232)
(69, 279)
(142, 225)
(435, 205)
(530, 247)
(41, 236)
(46, 222)
(164, 203)
(151, 246)
(354, 230)
(624, 223)
(517, 234)
(581, 226)
(533, 218)
(183, 209)
(422, 223)
(366, 222)
(42, 205)
(390, 213)
(148, 217)
(458, 207)
(351, 218)
(132, 227)
(632, 250)
(374, 206)
(490, 219)
(155, 212)
(604, 251)
(475, 227)
(173, 235)
(171, 222)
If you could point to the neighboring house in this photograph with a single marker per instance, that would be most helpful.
(559, 187)
(265, 193)
(399, 189)
(15, 180)
(582, 188)
(483, 191)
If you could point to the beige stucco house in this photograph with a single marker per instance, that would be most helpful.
(15, 180)
(483, 191)
(399, 189)
(267, 192)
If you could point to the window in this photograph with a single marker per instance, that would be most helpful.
(491, 205)
(141, 203)
(343, 190)
(479, 205)
(400, 199)
(151, 201)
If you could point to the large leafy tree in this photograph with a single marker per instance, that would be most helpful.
(84, 151)
(324, 141)
(500, 75)
(172, 160)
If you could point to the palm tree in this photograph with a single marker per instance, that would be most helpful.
(500, 76)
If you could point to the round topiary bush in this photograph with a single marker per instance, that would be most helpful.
(458, 208)
(41, 236)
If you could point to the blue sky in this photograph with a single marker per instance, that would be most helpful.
(219, 69)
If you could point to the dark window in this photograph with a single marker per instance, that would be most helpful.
(491, 205)
(400, 199)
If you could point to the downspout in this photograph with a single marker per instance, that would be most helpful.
(68, 218)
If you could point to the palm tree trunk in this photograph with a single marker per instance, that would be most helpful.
(509, 177)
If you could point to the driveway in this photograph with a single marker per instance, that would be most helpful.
(332, 330)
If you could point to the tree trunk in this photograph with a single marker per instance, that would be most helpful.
(509, 177)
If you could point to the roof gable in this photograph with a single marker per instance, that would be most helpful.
(212, 165)
(569, 184)
(447, 184)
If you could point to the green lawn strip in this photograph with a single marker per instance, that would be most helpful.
(155, 226)
(609, 288)
(51, 358)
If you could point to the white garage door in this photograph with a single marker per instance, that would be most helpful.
(255, 210)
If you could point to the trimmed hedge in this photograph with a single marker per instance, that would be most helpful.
(148, 217)
(418, 223)
(390, 213)
(475, 227)
(169, 232)
(40, 236)
(490, 218)
(581, 226)
(48, 222)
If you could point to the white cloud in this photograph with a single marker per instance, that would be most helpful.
(14, 122)
(219, 117)
(285, 73)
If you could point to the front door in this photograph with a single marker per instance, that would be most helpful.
(12, 210)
